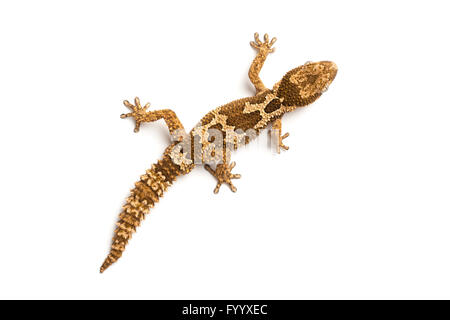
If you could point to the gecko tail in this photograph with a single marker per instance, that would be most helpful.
(143, 197)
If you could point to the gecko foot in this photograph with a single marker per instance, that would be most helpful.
(223, 175)
(280, 142)
(139, 113)
(276, 130)
(263, 46)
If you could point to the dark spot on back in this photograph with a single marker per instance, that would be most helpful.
(244, 121)
(273, 105)
(216, 126)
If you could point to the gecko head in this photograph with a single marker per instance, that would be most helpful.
(305, 84)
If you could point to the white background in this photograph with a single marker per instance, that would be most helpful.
(357, 208)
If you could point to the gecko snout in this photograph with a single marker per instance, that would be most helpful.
(332, 69)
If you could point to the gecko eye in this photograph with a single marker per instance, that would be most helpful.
(303, 85)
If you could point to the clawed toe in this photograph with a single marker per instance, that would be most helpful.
(137, 105)
(138, 112)
(223, 175)
(266, 45)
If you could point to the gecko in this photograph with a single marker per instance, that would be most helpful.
(219, 132)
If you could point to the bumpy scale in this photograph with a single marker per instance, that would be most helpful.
(299, 87)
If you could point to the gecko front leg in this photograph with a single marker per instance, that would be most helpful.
(223, 175)
(264, 48)
(141, 115)
(276, 129)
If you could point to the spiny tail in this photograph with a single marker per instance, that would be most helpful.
(146, 193)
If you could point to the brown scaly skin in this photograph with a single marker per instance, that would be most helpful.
(299, 87)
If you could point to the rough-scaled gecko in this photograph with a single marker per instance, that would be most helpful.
(216, 135)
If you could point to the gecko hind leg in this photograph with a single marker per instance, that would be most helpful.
(141, 115)
(223, 175)
(276, 129)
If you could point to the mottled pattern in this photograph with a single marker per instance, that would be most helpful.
(253, 113)
(237, 123)
(305, 84)
(144, 196)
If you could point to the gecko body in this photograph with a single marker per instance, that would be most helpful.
(219, 132)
